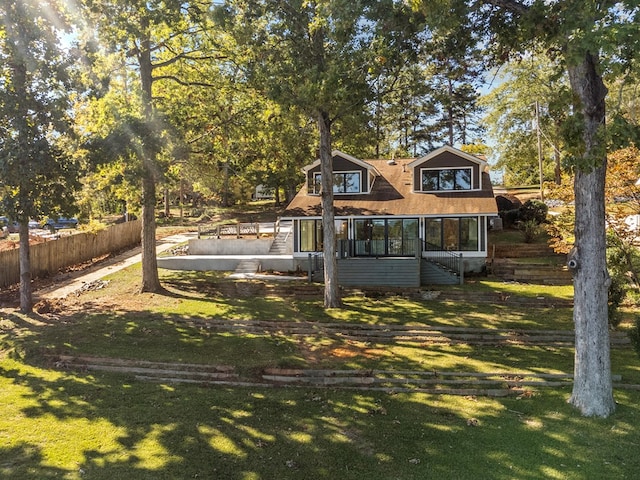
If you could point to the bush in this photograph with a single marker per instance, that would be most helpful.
(507, 202)
(530, 230)
(92, 226)
(617, 293)
(509, 217)
(534, 210)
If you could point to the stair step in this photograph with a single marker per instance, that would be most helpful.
(247, 267)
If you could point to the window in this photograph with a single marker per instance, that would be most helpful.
(386, 237)
(446, 179)
(459, 234)
(343, 182)
(311, 235)
(308, 236)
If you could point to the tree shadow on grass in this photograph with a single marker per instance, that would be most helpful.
(110, 426)
(114, 426)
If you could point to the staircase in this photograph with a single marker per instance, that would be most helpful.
(531, 263)
(281, 244)
(246, 268)
(432, 273)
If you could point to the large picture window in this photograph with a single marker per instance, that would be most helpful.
(446, 179)
(386, 237)
(343, 182)
(457, 233)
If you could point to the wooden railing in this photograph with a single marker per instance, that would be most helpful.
(238, 230)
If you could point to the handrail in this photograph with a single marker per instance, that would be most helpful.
(316, 264)
(445, 258)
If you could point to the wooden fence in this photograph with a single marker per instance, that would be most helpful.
(49, 257)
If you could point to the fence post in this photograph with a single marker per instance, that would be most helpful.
(310, 270)
(461, 269)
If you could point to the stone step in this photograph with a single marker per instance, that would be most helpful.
(430, 381)
(520, 250)
(427, 334)
(248, 267)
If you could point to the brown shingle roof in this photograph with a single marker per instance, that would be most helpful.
(392, 195)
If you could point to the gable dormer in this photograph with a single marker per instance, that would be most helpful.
(447, 169)
(350, 175)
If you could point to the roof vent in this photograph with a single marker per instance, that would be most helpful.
(391, 162)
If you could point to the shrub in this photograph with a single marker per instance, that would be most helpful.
(507, 202)
(509, 217)
(617, 293)
(530, 230)
(534, 210)
(92, 226)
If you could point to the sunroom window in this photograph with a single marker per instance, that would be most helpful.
(455, 233)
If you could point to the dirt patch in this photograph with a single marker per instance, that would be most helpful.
(11, 244)
(348, 350)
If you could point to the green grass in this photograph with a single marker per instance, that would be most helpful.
(74, 424)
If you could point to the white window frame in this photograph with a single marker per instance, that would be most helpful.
(317, 177)
(422, 170)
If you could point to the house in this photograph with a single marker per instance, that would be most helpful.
(403, 222)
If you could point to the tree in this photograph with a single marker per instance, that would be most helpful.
(38, 178)
(454, 61)
(581, 34)
(529, 82)
(622, 199)
(151, 36)
(317, 56)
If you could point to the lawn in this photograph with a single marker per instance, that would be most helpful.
(66, 423)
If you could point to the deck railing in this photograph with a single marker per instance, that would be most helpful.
(237, 230)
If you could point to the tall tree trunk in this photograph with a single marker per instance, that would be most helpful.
(592, 388)
(150, 278)
(26, 298)
(19, 73)
(331, 289)
(450, 132)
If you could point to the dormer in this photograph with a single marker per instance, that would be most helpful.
(447, 169)
(350, 175)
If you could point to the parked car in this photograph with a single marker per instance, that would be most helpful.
(59, 223)
(12, 227)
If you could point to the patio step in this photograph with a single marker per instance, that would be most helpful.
(247, 267)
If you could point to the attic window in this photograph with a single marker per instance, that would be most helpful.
(446, 179)
(343, 182)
